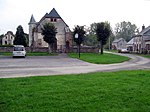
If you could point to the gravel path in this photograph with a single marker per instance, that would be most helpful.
(62, 64)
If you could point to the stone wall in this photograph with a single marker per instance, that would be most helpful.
(45, 49)
(28, 49)
(89, 49)
(6, 49)
(37, 49)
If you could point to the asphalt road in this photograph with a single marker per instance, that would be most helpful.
(59, 65)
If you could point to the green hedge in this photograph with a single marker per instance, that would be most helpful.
(6, 46)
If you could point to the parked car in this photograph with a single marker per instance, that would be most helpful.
(123, 51)
(19, 51)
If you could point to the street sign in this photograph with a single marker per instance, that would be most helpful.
(76, 35)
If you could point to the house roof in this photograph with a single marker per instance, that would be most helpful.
(117, 40)
(10, 32)
(131, 41)
(144, 31)
(146, 37)
(32, 20)
(53, 14)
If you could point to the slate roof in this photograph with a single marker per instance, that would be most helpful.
(32, 20)
(53, 14)
(10, 33)
(144, 31)
(131, 41)
(117, 40)
(147, 38)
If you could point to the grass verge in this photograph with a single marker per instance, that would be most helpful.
(6, 53)
(123, 91)
(144, 55)
(106, 58)
(116, 51)
(40, 54)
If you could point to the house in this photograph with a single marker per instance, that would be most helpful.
(8, 38)
(119, 44)
(147, 44)
(63, 36)
(130, 45)
(142, 41)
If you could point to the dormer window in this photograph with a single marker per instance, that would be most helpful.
(53, 20)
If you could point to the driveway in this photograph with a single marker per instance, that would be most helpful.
(62, 64)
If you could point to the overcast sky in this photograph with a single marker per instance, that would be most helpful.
(74, 12)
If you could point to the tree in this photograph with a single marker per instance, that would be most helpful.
(103, 32)
(79, 30)
(125, 30)
(109, 41)
(27, 38)
(49, 35)
(20, 38)
(92, 28)
(91, 39)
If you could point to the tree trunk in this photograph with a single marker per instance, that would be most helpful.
(101, 47)
(49, 48)
(79, 50)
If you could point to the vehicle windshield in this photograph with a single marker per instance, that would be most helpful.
(18, 49)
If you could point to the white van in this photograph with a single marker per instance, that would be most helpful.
(19, 51)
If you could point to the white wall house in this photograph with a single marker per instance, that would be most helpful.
(119, 44)
(8, 38)
(141, 41)
(130, 45)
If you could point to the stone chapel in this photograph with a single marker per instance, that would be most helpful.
(63, 36)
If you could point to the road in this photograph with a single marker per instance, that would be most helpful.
(59, 65)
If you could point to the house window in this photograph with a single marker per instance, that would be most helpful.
(147, 46)
(5, 42)
(55, 20)
(40, 44)
(6, 37)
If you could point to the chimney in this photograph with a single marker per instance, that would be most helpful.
(143, 27)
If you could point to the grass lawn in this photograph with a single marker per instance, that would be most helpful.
(123, 91)
(40, 54)
(30, 54)
(116, 51)
(146, 55)
(106, 58)
(6, 53)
